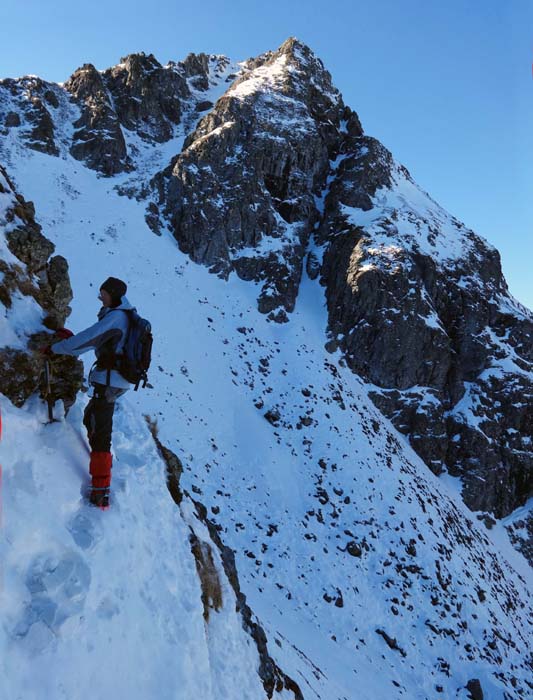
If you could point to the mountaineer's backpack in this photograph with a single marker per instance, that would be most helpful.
(134, 360)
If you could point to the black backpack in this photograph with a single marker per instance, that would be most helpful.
(134, 360)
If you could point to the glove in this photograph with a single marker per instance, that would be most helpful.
(46, 350)
(64, 333)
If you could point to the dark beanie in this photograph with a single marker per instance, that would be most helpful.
(115, 288)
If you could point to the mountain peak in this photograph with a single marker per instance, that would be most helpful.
(87, 68)
(135, 62)
(291, 44)
(293, 71)
(85, 82)
(298, 50)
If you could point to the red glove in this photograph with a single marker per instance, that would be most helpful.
(64, 333)
(46, 350)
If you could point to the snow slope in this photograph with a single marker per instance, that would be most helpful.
(104, 603)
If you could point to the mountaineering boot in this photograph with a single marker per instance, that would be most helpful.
(99, 498)
(100, 471)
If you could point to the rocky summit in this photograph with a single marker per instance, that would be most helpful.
(242, 194)
(352, 364)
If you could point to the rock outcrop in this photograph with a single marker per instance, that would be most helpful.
(98, 139)
(138, 97)
(148, 98)
(30, 105)
(241, 195)
(34, 286)
(419, 307)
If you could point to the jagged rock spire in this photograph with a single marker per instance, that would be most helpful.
(98, 139)
(272, 136)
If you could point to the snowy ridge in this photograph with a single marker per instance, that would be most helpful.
(108, 598)
(405, 214)
(267, 78)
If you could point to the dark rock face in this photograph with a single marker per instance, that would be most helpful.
(12, 119)
(98, 140)
(365, 166)
(240, 197)
(20, 374)
(418, 305)
(46, 280)
(36, 100)
(475, 689)
(196, 66)
(41, 137)
(147, 97)
(27, 243)
(140, 95)
(59, 290)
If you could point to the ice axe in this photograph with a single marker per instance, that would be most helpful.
(46, 351)
(50, 401)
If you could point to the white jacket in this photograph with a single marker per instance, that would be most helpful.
(112, 325)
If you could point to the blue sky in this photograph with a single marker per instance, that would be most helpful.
(447, 86)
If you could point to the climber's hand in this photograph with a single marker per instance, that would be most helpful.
(64, 333)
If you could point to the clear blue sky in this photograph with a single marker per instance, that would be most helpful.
(447, 86)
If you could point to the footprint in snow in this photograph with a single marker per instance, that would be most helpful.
(58, 587)
(83, 530)
(22, 477)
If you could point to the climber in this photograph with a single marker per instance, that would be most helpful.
(106, 338)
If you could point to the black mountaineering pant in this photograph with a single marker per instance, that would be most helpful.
(98, 419)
